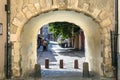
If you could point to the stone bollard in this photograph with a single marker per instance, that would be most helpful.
(47, 63)
(37, 73)
(61, 63)
(76, 64)
(85, 69)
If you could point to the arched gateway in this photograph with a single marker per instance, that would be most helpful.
(32, 15)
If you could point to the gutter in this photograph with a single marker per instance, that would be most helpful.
(8, 44)
(116, 38)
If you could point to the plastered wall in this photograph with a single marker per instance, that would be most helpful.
(2, 37)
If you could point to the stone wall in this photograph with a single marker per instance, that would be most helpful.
(2, 37)
(101, 12)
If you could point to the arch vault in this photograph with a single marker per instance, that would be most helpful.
(31, 16)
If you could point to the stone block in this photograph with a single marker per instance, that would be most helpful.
(15, 64)
(107, 42)
(16, 72)
(85, 6)
(20, 15)
(55, 3)
(43, 3)
(62, 4)
(106, 22)
(27, 12)
(49, 3)
(107, 50)
(17, 48)
(108, 62)
(72, 3)
(16, 58)
(13, 29)
(103, 15)
(37, 6)
(17, 22)
(13, 37)
(96, 12)
(107, 36)
(104, 30)
(32, 8)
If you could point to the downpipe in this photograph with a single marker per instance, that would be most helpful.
(8, 45)
(116, 39)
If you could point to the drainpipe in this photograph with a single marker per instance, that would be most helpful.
(116, 38)
(8, 44)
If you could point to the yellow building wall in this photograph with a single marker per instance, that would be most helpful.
(2, 37)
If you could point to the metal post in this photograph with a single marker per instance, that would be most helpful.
(8, 44)
(47, 63)
(76, 64)
(61, 64)
(116, 38)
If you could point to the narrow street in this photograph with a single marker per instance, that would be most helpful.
(55, 53)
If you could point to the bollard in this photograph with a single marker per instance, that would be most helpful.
(37, 73)
(61, 63)
(76, 64)
(47, 63)
(85, 69)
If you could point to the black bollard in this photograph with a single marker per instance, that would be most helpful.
(76, 64)
(61, 64)
(47, 63)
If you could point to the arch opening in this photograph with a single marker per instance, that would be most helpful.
(87, 24)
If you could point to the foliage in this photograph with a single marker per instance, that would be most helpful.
(65, 29)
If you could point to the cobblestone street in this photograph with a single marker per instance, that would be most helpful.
(55, 53)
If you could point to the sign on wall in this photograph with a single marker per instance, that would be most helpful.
(1, 28)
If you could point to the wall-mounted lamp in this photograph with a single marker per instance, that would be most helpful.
(1, 28)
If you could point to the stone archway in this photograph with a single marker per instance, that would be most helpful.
(23, 50)
(29, 36)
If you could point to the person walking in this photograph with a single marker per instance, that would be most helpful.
(44, 45)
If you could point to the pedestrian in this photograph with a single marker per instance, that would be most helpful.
(38, 42)
(44, 45)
